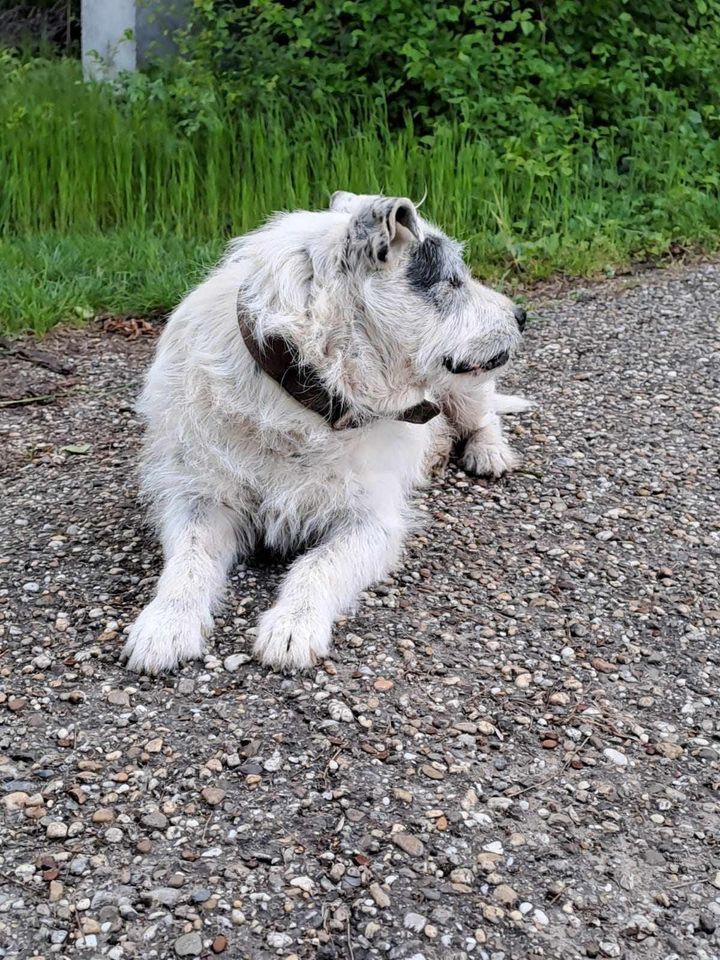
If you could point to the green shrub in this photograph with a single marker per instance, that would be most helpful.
(514, 70)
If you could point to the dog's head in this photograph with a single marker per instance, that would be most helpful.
(416, 292)
(375, 300)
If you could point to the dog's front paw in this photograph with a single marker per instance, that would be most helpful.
(488, 459)
(162, 637)
(288, 640)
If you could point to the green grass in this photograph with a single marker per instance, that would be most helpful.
(52, 277)
(110, 205)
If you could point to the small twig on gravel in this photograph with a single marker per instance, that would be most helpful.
(349, 941)
(607, 725)
(41, 398)
(327, 765)
(689, 883)
(207, 824)
(76, 918)
(23, 886)
(541, 783)
(38, 357)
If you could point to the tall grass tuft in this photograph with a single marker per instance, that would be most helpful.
(79, 161)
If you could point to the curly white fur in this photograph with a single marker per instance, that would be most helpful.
(378, 302)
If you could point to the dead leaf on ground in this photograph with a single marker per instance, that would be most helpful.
(130, 327)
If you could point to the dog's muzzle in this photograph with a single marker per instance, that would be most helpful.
(499, 360)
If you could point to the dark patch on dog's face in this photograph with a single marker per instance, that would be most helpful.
(433, 263)
(436, 272)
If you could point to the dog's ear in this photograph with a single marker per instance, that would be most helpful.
(342, 201)
(383, 226)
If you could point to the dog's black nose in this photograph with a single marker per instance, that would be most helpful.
(521, 317)
(497, 361)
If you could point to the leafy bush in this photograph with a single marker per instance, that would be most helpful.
(508, 69)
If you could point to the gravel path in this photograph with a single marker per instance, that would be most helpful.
(513, 753)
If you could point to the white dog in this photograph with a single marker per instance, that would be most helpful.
(297, 397)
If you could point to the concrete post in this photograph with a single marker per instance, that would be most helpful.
(120, 35)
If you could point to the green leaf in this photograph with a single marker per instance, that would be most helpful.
(77, 448)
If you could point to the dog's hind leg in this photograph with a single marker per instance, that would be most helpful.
(324, 583)
(200, 541)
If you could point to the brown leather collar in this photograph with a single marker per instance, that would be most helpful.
(279, 359)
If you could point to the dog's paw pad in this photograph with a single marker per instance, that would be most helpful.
(488, 459)
(160, 639)
(289, 641)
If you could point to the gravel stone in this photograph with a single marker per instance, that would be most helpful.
(166, 896)
(233, 663)
(119, 698)
(408, 843)
(303, 883)
(155, 821)
(189, 945)
(55, 891)
(380, 897)
(615, 756)
(16, 800)
(213, 796)
(339, 711)
(57, 831)
(505, 894)
(279, 940)
(415, 921)
(201, 895)
(432, 772)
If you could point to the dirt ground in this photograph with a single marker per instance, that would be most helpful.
(513, 753)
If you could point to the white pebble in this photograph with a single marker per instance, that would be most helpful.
(303, 883)
(415, 921)
(494, 847)
(615, 756)
(339, 711)
(278, 940)
(234, 661)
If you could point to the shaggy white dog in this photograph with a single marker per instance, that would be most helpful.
(297, 397)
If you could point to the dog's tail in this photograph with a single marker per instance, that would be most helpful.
(511, 403)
